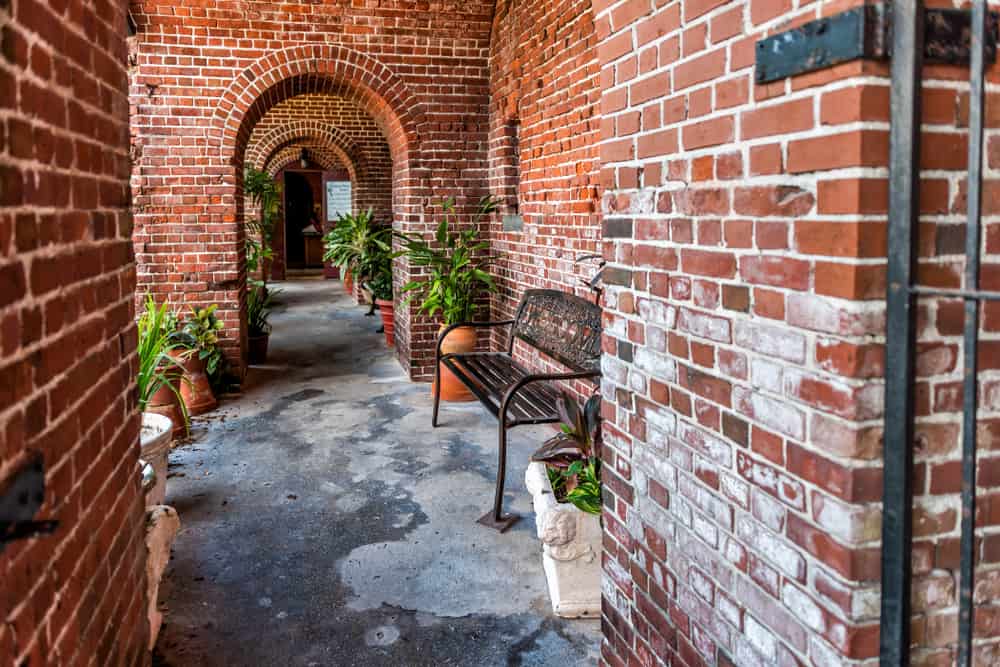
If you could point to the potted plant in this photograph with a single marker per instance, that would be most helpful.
(201, 358)
(265, 194)
(158, 381)
(381, 289)
(258, 328)
(457, 279)
(355, 244)
(564, 479)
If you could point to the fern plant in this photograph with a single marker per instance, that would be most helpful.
(457, 265)
(357, 244)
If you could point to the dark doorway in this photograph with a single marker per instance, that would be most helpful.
(303, 227)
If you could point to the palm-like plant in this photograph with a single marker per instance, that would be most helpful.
(357, 244)
(265, 194)
(157, 369)
(457, 265)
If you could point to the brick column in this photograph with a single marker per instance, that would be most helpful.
(745, 226)
(67, 337)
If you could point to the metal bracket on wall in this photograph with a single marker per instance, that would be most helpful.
(866, 32)
(21, 495)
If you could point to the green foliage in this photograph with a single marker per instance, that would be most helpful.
(258, 310)
(572, 456)
(157, 369)
(586, 495)
(265, 193)
(381, 282)
(457, 267)
(359, 245)
(203, 327)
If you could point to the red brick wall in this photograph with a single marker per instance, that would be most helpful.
(746, 226)
(543, 80)
(206, 73)
(66, 317)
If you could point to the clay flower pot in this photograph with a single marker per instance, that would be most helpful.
(388, 313)
(154, 442)
(196, 391)
(257, 348)
(458, 341)
(165, 402)
(348, 282)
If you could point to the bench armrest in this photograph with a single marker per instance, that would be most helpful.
(538, 377)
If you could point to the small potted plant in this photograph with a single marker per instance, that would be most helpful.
(265, 194)
(258, 328)
(564, 479)
(201, 358)
(160, 402)
(458, 278)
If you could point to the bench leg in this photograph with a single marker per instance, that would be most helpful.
(437, 393)
(495, 518)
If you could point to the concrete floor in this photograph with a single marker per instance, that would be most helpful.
(324, 522)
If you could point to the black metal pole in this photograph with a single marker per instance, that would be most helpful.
(974, 187)
(904, 211)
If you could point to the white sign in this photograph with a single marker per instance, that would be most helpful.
(338, 199)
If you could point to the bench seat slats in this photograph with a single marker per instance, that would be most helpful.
(490, 375)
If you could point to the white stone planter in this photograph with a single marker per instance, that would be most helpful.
(162, 524)
(571, 555)
(154, 439)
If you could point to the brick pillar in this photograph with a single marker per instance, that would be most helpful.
(68, 337)
(745, 226)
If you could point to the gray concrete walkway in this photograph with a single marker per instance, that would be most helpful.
(326, 523)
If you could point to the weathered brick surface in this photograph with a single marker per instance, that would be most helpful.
(543, 154)
(205, 75)
(67, 336)
(746, 226)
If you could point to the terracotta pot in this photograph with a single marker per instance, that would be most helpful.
(196, 391)
(348, 282)
(154, 442)
(257, 348)
(458, 341)
(165, 402)
(387, 311)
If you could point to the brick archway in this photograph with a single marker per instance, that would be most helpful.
(351, 154)
(316, 69)
(322, 155)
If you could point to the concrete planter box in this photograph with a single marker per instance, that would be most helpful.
(154, 440)
(571, 555)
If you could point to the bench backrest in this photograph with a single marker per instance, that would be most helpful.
(562, 325)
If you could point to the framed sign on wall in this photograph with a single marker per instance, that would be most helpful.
(338, 199)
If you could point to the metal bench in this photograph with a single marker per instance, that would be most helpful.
(565, 327)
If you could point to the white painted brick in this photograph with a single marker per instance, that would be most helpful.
(658, 312)
(659, 366)
(766, 544)
(760, 637)
(776, 414)
(705, 326)
(803, 606)
(771, 340)
(766, 375)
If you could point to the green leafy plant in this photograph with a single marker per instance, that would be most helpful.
(202, 329)
(265, 194)
(572, 456)
(381, 282)
(258, 310)
(157, 369)
(358, 244)
(457, 266)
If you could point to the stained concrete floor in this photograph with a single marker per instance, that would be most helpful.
(324, 522)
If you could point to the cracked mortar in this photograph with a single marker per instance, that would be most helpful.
(327, 523)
